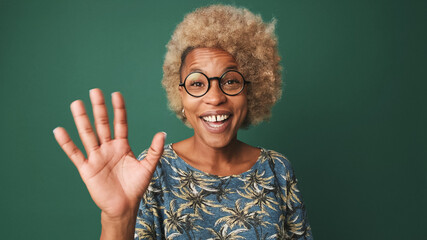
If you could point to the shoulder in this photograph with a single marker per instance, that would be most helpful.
(275, 159)
(279, 165)
(168, 153)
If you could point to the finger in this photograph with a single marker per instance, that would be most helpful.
(88, 137)
(120, 120)
(155, 151)
(100, 115)
(65, 142)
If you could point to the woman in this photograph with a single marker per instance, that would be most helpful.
(221, 73)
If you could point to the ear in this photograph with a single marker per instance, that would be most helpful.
(181, 91)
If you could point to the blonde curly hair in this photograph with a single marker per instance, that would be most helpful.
(246, 37)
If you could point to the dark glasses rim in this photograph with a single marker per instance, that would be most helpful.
(182, 84)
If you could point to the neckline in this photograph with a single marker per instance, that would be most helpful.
(240, 175)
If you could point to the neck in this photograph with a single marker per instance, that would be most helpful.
(221, 161)
(234, 158)
(216, 156)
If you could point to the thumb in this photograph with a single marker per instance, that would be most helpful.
(155, 151)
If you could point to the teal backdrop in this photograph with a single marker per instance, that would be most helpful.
(352, 118)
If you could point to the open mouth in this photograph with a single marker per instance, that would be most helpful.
(216, 118)
(216, 122)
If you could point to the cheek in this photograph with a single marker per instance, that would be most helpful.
(243, 106)
(245, 111)
(185, 101)
(190, 105)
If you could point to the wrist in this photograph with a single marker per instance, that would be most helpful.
(122, 227)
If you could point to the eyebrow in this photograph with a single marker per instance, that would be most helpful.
(226, 69)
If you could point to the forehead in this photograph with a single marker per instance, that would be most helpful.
(208, 59)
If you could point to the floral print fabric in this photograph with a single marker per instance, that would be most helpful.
(185, 203)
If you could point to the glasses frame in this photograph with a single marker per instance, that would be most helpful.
(182, 84)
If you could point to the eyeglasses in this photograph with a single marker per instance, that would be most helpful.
(198, 84)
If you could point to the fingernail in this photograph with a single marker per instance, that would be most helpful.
(164, 133)
(54, 130)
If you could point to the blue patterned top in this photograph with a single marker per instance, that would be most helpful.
(182, 202)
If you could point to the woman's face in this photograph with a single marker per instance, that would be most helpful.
(215, 117)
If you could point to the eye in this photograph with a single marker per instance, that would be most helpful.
(196, 84)
(231, 82)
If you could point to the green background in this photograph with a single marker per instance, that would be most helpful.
(351, 120)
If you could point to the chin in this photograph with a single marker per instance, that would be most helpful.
(218, 141)
(218, 144)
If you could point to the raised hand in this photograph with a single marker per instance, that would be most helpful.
(116, 180)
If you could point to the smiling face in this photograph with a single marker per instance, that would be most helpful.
(215, 117)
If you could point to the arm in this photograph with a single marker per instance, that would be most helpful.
(116, 180)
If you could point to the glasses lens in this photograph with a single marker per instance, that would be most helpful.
(196, 84)
(232, 83)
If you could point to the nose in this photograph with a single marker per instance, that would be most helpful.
(214, 96)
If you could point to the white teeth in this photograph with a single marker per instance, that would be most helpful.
(215, 118)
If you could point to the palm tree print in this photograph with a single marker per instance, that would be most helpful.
(168, 154)
(195, 200)
(191, 179)
(291, 191)
(254, 178)
(223, 233)
(185, 203)
(243, 217)
(291, 230)
(179, 222)
(276, 190)
(272, 157)
(294, 226)
(222, 190)
(148, 232)
(281, 233)
(154, 196)
(259, 198)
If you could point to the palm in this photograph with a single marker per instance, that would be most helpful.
(115, 179)
(105, 176)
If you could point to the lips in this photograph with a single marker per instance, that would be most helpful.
(216, 118)
(216, 121)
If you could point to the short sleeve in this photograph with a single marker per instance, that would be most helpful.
(294, 222)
